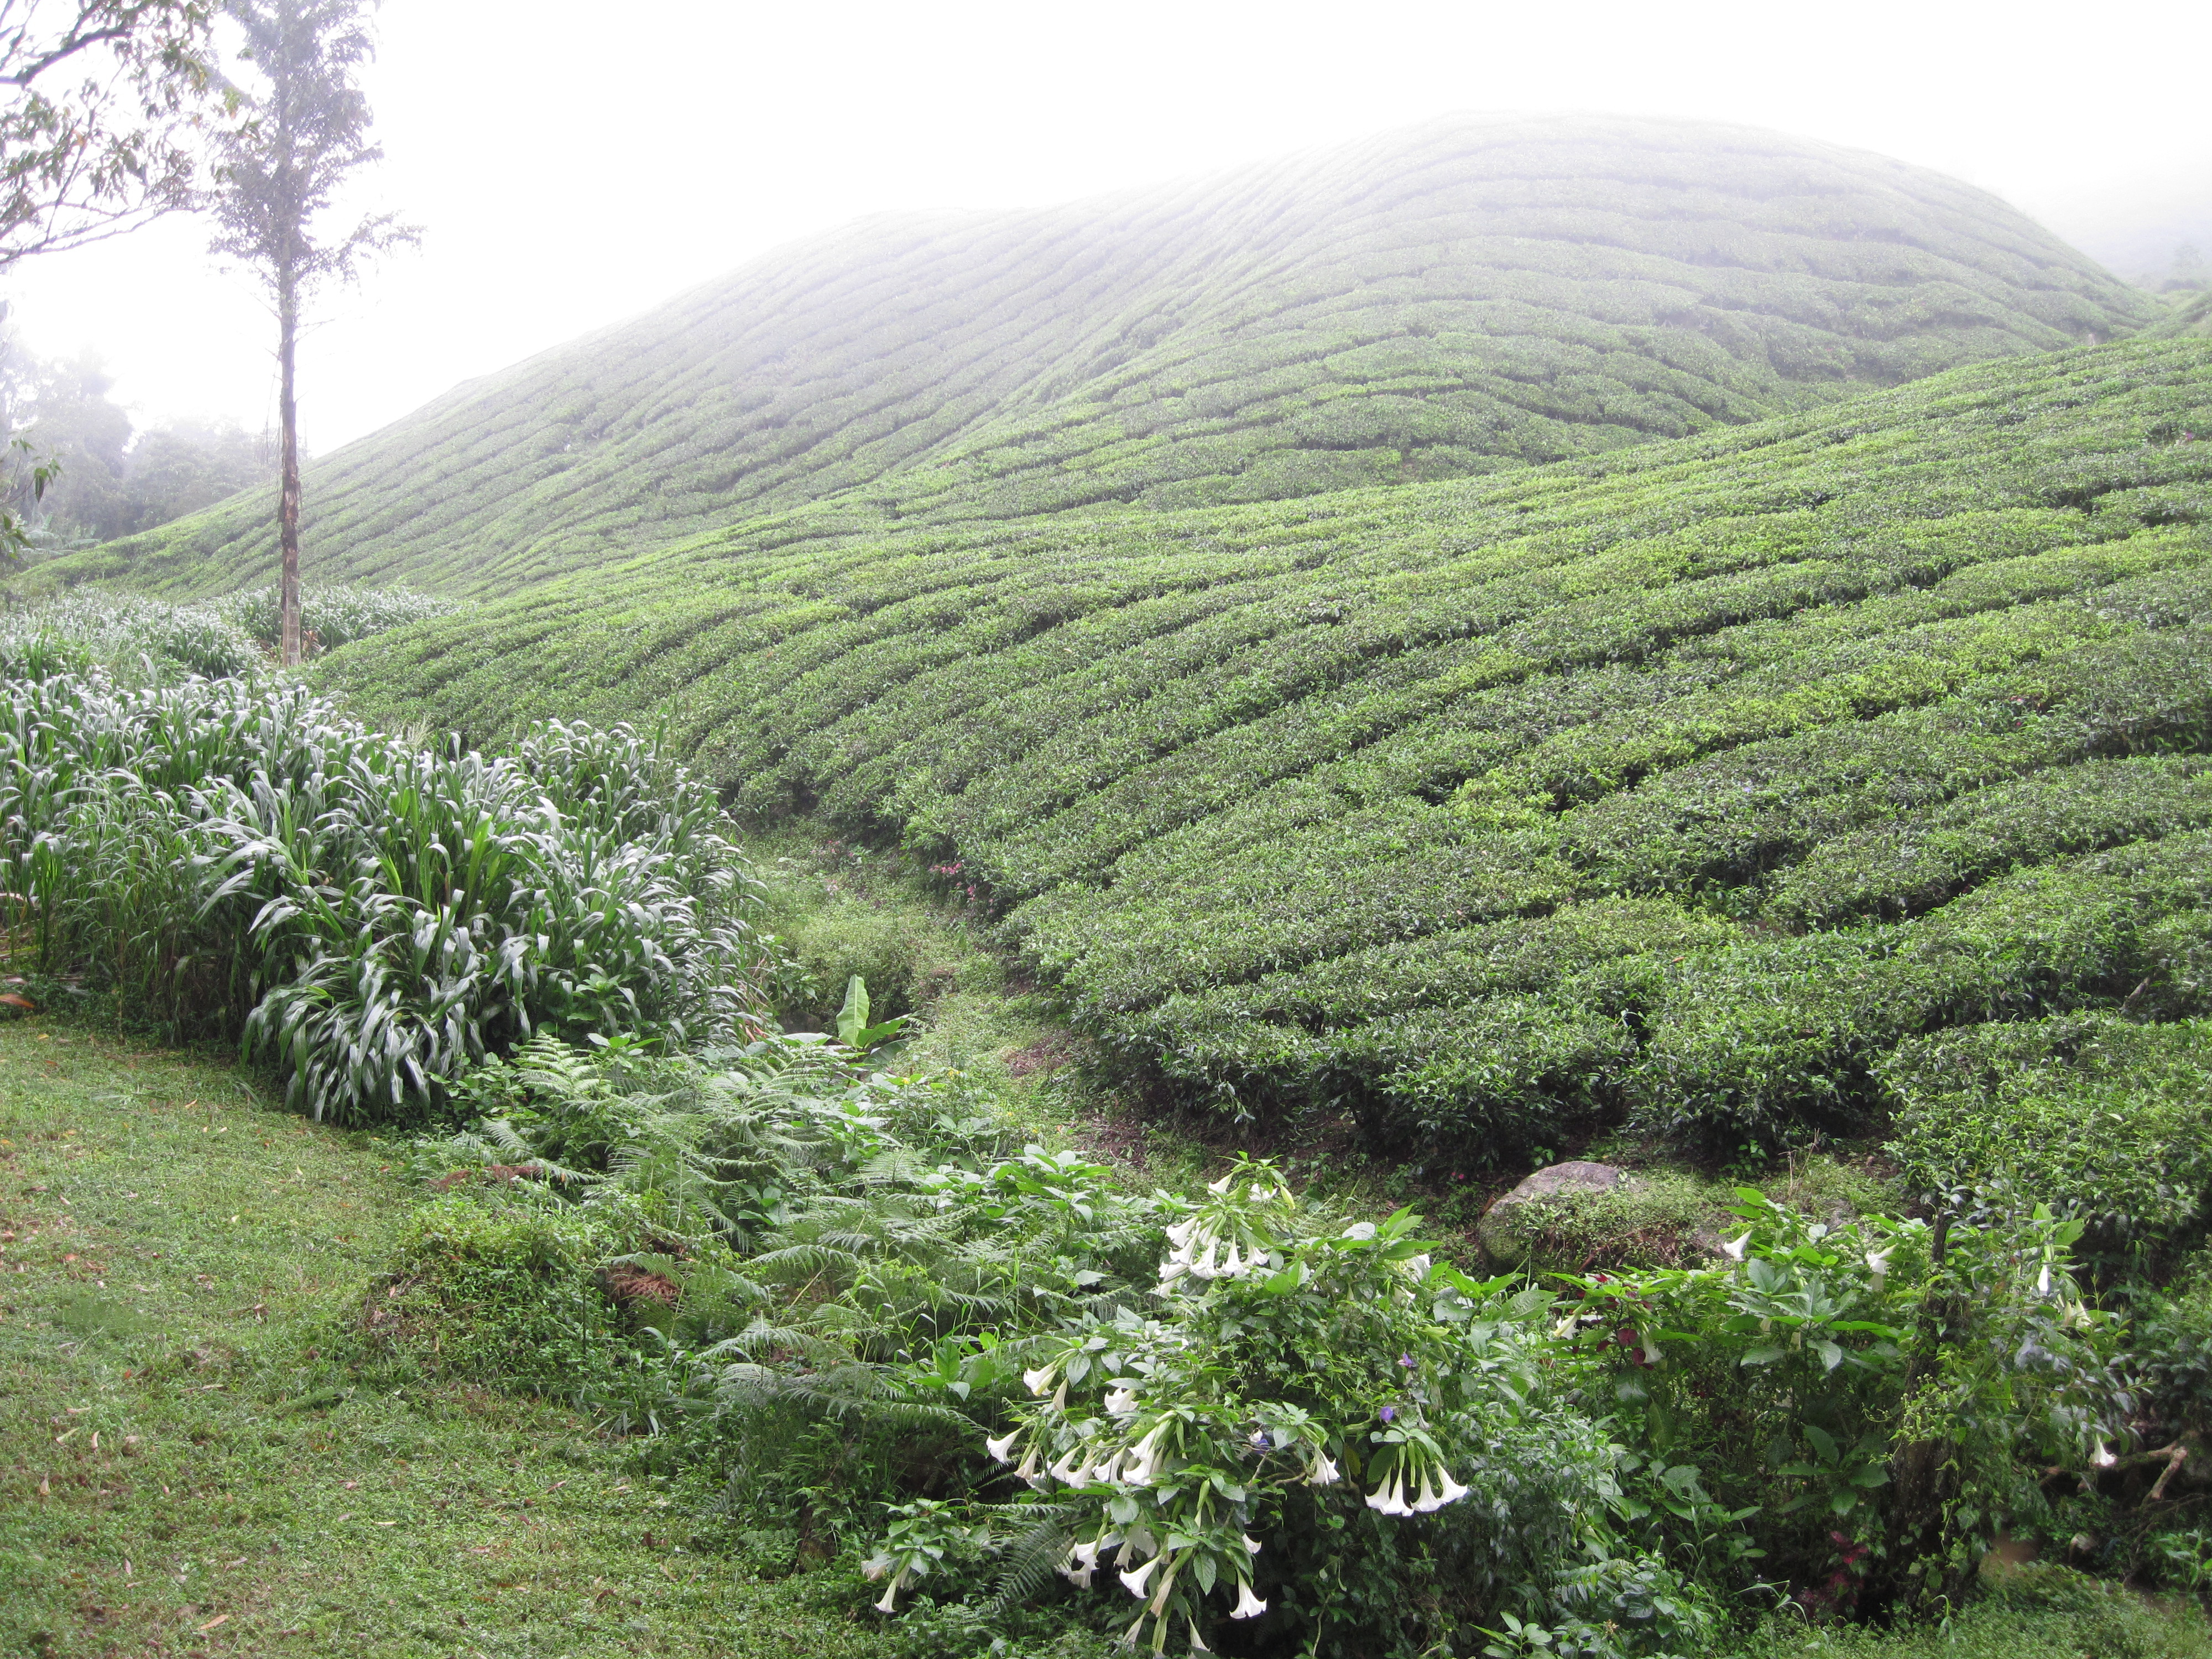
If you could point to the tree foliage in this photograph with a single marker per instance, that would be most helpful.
(101, 102)
(277, 175)
(107, 477)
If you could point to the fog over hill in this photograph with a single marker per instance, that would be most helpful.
(1468, 295)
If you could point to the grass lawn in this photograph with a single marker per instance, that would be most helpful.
(199, 1454)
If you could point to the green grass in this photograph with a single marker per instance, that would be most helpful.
(1474, 293)
(2076, 1618)
(201, 1453)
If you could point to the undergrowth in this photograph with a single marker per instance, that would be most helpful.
(235, 858)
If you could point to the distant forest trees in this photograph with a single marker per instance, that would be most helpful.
(115, 480)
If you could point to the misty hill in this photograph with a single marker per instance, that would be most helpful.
(1457, 298)
(1695, 777)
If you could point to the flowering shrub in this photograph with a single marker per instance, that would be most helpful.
(1317, 1425)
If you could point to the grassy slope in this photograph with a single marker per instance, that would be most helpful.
(1472, 294)
(182, 1472)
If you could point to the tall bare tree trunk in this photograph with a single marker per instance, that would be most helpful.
(288, 498)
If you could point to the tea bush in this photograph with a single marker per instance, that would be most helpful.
(1751, 1038)
(2097, 1116)
(1299, 807)
(1459, 298)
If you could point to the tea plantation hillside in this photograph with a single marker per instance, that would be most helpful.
(1452, 299)
(1691, 781)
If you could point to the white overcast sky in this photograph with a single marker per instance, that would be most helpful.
(572, 164)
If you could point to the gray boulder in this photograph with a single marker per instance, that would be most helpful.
(1505, 1230)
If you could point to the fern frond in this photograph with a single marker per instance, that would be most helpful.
(1031, 1558)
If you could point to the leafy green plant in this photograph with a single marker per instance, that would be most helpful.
(1890, 1379)
(2096, 1115)
(237, 859)
(853, 1028)
(330, 617)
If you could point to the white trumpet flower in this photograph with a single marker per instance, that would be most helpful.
(1232, 1266)
(1733, 1248)
(1197, 1643)
(1068, 1472)
(1428, 1502)
(1325, 1473)
(2042, 1280)
(1251, 1545)
(1038, 1380)
(1222, 1185)
(889, 1603)
(1249, 1606)
(1002, 1449)
(1144, 1457)
(1878, 1264)
(1119, 1400)
(1451, 1492)
(1134, 1580)
(1388, 1497)
(1179, 1235)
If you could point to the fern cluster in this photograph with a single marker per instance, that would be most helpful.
(809, 1247)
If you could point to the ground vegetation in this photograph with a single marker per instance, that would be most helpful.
(877, 1332)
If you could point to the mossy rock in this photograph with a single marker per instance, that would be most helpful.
(1571, 1217)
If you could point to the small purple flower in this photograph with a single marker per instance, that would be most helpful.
(1407, 1360)
(1389, 1412)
